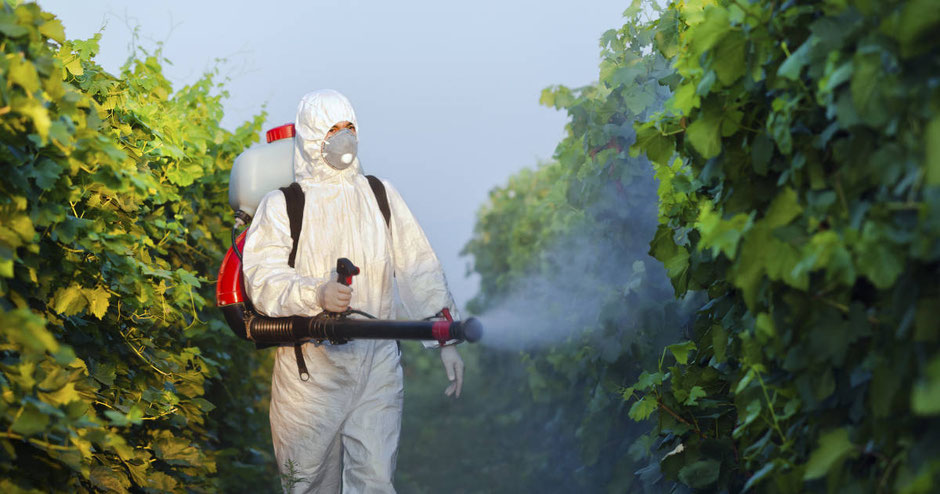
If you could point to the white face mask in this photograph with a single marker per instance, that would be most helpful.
(339, 150)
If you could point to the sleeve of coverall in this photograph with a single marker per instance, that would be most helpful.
(421, 282)
(275, 288)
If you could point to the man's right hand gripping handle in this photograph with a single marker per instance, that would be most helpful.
(334, 296)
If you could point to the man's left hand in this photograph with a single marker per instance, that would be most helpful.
(453, 365)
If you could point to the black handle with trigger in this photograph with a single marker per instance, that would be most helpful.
(345, 270)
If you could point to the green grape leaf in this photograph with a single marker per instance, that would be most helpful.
(704, 134)
(107, 479)
(37, 113)
(866, 88)
(792, 66)
(925, 395)
(681, 351)
(694, 394)
(62, 396)
(761, 151)
(648, 379)
(722, 235)
(10, 27)
(764, 327)
(932, 146)
(23, 74)
(53, 29)
(674, 258)
(626, 75)
(30, 421)
(834, 446)
(28, 330)
(609, 36)
(700, 474)
(98, 300)
(876, 258)
(729, 64)
(784, 209)
(651, 141)
(706, 34)
(918, 21)
(684, 99)
(642, 409)
(69, 300)
(719, 342)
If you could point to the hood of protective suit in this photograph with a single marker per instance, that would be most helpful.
(317, 113)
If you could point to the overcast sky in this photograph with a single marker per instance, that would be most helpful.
(446, 93)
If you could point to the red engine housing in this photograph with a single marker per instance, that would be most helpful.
(230, 287)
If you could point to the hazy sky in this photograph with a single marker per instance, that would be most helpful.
(446, 93)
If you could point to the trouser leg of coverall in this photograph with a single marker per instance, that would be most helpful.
(371, 432)
(353, 403)
(306, 421)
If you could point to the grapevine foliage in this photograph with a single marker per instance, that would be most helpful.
(799, 175)
(798, 172)
(114, 373)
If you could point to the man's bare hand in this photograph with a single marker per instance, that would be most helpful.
(334, 296)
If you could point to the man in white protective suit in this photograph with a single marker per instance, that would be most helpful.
(339, 429)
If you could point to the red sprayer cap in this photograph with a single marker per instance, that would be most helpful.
(282, 132)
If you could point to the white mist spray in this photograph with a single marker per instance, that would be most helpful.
(585, 273)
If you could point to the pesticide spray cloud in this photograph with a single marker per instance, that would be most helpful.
(592, 311)
(596, 274)
(551, 308)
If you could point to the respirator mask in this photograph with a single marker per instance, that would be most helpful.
(339, 150)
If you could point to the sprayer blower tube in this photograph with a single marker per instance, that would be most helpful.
(248, 324)
(270, 330)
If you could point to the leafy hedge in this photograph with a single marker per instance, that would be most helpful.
(799, 171)
(111, 227)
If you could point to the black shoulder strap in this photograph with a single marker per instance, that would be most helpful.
(295, 213)
(294, 196)
(379, 190)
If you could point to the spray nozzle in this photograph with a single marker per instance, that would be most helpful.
(470, 330)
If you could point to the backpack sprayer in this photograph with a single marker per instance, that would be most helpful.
(255, 172)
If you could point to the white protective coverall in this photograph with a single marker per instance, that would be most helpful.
(340, 428)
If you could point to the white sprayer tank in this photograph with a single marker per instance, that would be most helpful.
(261, 169)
